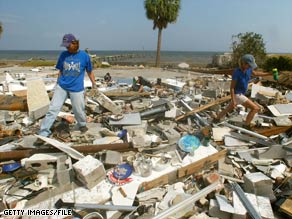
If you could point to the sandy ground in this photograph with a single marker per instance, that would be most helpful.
(149, 73)
(116, 72)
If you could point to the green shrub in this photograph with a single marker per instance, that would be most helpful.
(282, 63)
(36, 63)
(248, 43)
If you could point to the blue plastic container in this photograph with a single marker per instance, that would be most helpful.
(189, 143)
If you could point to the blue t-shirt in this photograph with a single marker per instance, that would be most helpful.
(72, 67)
(242, 79)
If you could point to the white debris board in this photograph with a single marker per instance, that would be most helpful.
(37, 99)
(128, 119)
(267, 91)
(281, 109)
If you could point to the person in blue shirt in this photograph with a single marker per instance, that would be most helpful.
(72, 65)
(238, 88)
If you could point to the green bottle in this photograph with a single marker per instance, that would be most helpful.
(276, 74)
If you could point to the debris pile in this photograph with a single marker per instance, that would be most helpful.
(156, 154)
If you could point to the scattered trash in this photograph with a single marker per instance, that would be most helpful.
(156, 154)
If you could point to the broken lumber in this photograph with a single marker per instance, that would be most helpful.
(197, 166)
(275, 130)
(201, 164)
(86, 149)
(286, 207)
(126, 94)
(13, 103)
(201, 108)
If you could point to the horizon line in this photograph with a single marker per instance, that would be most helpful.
(215, 51)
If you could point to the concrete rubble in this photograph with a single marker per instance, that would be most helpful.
(148, 155)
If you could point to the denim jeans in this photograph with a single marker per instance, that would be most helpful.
(60, 96)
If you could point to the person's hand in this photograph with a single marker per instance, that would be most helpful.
(94, 91)
(234, 104)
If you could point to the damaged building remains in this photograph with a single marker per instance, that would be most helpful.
(156, 154)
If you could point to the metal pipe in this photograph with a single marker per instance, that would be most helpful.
(246, 131)
(60, 204)
(265, 117)
(106, 207)
(204, 123)
(246, 203)
(178, 207)
(247, 138)
(154, 111)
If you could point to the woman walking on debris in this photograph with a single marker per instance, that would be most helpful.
(238, 88)
(72, 65)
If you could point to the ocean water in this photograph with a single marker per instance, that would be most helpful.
(128, 57)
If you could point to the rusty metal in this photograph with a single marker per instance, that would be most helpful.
(7, 133)
(13, 103)
(86, 149)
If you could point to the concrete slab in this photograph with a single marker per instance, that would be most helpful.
(218, 133)
(89, 171)
(43, 161)
(214, 210)
(224, 205)
(128, 119)
(259, 184)
(63, 147)
(281, 109)
(283, 121)
(239, 210)
(37, 99)
(267, 91)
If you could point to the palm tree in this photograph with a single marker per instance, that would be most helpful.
(1, 29)
(161, 12)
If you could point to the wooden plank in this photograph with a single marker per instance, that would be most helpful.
(183, 171)
(20, 93)
(201, 164)
(13, 103)
(125, 94)
(275, 130)
(201, 108)
(286, 207)
(162, 180)
(86, 149)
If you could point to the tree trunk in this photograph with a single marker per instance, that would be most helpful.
(158, 48)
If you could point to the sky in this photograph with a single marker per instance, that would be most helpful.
(202, 25)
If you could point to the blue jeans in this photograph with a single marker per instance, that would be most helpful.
(60, 96)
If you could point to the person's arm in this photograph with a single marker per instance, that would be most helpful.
(92, 79)
(261, 73)
(59, 65)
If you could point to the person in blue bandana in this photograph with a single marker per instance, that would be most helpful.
(72, 65)
(239, 85)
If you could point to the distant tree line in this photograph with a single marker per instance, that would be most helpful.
(282, 63)
(253, 43)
